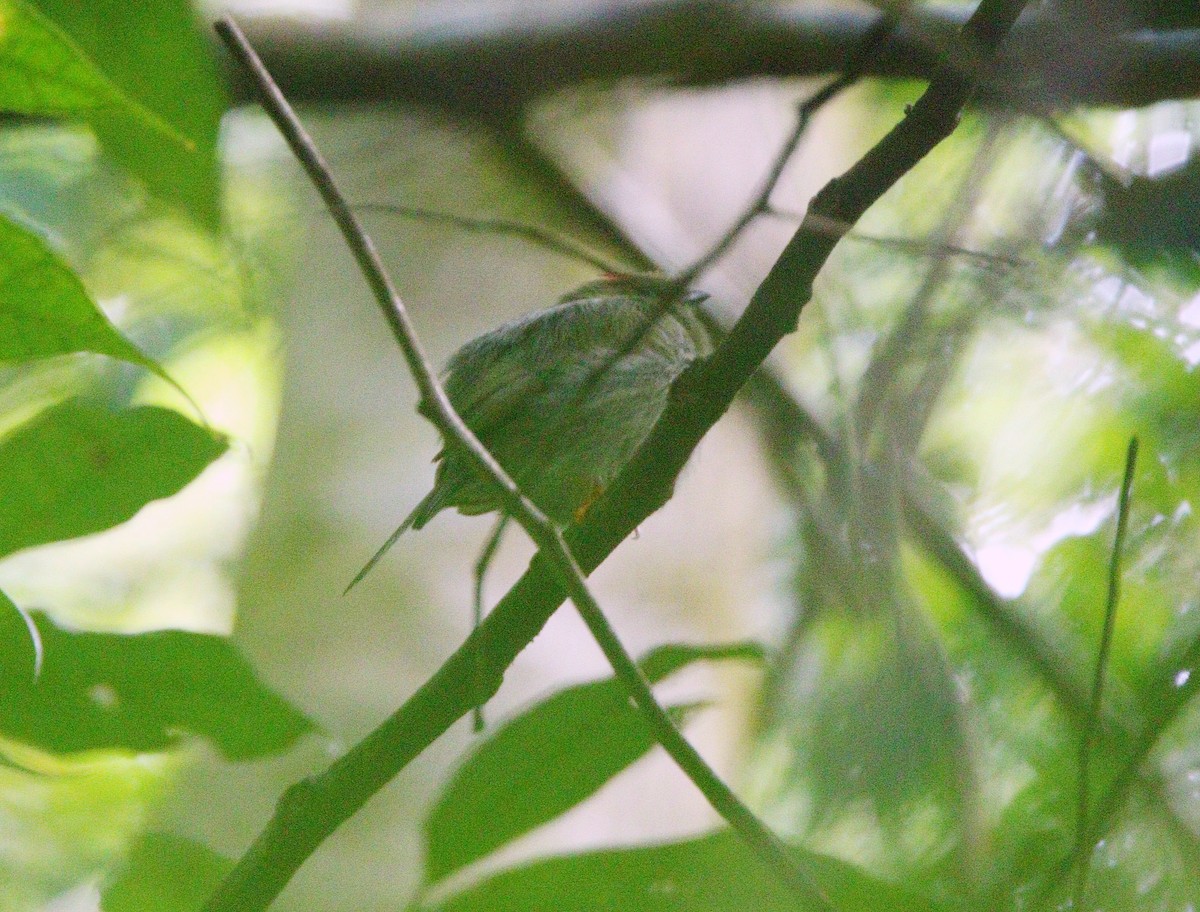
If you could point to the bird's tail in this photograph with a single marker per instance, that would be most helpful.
(386, 546)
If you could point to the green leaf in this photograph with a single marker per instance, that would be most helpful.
(43, 72)
(45, 310)
(886, 731)
(546, 761)
(137, 692)
(531, 770)
(714, 873)
(663, 661)
(29, 658)
(165, 874)
(79, 468)
(155, 55)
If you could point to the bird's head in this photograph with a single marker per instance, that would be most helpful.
(643, 285)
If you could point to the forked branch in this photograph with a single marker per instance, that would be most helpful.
(312, 809)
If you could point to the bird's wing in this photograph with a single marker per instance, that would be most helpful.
(492, 376)
(489, 400)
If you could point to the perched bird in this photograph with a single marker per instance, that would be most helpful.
(563, 397)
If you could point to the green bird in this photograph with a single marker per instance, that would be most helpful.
(563, 397)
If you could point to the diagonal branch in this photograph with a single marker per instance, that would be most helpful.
(312, 809)
(704, 393)
(257, 878)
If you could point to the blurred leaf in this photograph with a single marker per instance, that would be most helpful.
(43, 72)
(138, 692)
(1023, 741)
(154, 54)
(79, 468)
(33, 640)
(45, 309)
(549, 759)
(1146, 861)
(533, 769)
(884, 726)
(663, 661)
(165, 874)
(714, 873)
(1154, 217)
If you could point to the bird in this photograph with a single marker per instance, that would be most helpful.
(563, 397)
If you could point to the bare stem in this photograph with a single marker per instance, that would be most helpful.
(1083, 841)
(761, 204)
(540, 236)
(908, 244)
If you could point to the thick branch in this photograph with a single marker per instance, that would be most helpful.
(492, 67)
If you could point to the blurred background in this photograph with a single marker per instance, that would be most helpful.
(915, 515)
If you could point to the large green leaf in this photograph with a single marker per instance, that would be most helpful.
(165, 874)
(43, 72)
(26, 659)
(885, 730)
(532, 770)
(79, 468)
(715, 873)
(45, 310)
(137, 692)
(156, 55)
(546, 761)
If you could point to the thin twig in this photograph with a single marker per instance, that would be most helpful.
(545, 535)
(1083, 844)
(761, 203)
(573, 249)
(311, 809)
(540, 236)
(912, 245)
(481, 569)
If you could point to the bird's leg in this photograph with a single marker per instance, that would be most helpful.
(481, 568)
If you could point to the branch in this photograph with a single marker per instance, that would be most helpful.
(761, 204)
(312, 809)
(491, 67)
(547, 240)
(1083, 846)
(704, 392)
(307, 814)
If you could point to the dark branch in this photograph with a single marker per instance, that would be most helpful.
(310, 810)
(492, 68)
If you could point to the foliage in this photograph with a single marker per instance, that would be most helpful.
(978, 355)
